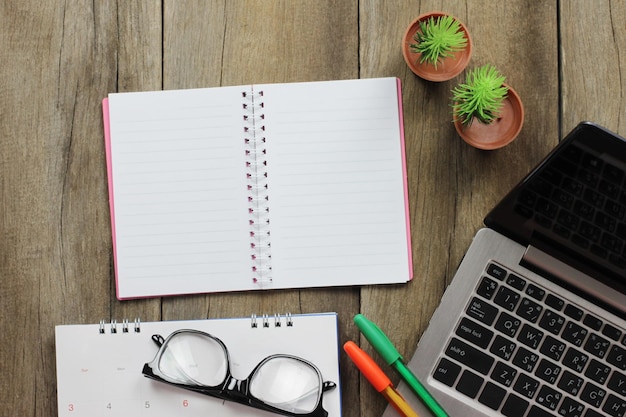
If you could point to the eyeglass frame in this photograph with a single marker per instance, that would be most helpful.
(240, 392)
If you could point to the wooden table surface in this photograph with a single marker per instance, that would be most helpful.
(59, 59)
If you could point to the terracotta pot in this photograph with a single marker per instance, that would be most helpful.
(501, 131)
(447, 68)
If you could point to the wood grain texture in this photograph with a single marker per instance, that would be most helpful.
(59, 59)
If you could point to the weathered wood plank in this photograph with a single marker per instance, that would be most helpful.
(451, 185)
(592, 64)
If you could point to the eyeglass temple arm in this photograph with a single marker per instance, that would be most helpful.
(158, 339)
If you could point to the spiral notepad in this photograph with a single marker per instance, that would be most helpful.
(257, 187)
(99, 366)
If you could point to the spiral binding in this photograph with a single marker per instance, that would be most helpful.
(258, 197)
(125, 326)
(265, 321)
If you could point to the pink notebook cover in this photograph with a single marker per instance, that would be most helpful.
(107, 139)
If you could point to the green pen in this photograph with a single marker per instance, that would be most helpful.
(390, 354)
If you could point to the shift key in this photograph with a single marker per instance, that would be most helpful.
(469, 356)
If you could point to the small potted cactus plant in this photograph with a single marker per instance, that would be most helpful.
(436, 46)
(487, 113)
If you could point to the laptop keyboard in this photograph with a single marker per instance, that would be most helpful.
(582, 199)
(524, 351)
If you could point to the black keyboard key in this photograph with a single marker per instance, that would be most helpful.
(502, 347)
(611, 243)
(552, 322)
(570, 383)
(527, 198)
(555, 302)
(617, 357)
(492, 396)
(549, 397)
(469, 356)
(514, 406)
(597, 345)
(529, 310)
(592, 163)
(597, 371)
(496, 271)
(474, 333)
(614, 209)
(590, 232)
(593, 395)
(592, 413)
(526, 386)
(539, 412)
(482, 311)
(584, 210)
(573, 186)
(469, 384)
(573, 312)
(446, 372)
(614, 406)
(507, 324)
(571, 408)
(487, 288)
(547, 208)
(588, 178)
(506, 298)
(605, 222)
(530, 336)
(525, 359)
(617, 383)
(592, 321)
(568, 220)
(552, 348)
(516, 282)
(611, 332)
(613, 173)
(609, 189)
(535, 292)
(562, 198)
(548, 371)
(574, 333)
(575, 360)
(503, 374)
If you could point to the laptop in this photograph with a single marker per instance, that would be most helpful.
(533, 323)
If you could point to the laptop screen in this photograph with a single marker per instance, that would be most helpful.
(573, 205)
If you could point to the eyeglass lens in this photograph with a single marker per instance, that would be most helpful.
(288, 384)
(192, 358)
(283, 382)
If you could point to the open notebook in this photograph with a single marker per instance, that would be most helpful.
(261, 186)
(99, 367)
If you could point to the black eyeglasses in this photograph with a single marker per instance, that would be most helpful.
(198, 361)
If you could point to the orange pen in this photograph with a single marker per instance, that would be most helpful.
(378, 379)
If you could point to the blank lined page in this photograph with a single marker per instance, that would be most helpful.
(336, 183)
(180, 199)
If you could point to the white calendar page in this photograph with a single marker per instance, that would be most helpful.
(99, 374)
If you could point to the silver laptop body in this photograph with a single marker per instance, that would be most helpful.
(533, 322)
